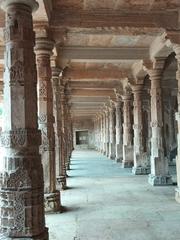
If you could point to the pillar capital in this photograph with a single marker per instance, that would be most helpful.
(44, 46)
(55, 77)
(137, 88)
(154, 68)
(55, 72)
(5, 4)
(126, 97)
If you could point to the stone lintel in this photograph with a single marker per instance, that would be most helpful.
(161, 19)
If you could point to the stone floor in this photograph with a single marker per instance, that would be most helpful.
(106, 202)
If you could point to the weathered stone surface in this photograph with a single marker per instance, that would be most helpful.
(43, 50)
(21, 193)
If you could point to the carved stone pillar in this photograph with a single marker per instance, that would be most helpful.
(112, 136)
(127, 133)
(177, 190)
(68, 125)
(119, 142)
(140, 157)
(21, 192)
(62, 177)
(57, 115)
(107, 131)
(104, 132)
(159, 164)
(101, 132)
(46, 120)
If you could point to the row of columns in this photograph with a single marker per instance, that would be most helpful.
(37, 135)
(127, 139)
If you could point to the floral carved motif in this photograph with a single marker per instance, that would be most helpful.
(17, 74)
(42, 89)
(13, 138)
(19, 211)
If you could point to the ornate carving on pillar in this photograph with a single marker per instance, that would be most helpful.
(101, 132)
(43, 49)
(67, 125)
(21, 193)
(62, 177)
(57, 114)
(107, 130)
(140, 156)
(112, 131)
(104, 131)
(127, 131)
(119, 135)
(159, 164)
(176, 48)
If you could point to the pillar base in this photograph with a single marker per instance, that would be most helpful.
(112, 157)
(177, 195)
(119, 160)
(160, 180)
(62, 182)
(68, 166)
(42, 236)
(141, 170)
(127, 164)
(52, 202)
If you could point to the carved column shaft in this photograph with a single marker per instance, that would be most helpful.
(45, 111)
(104, 133)
(107, 132)
(119, 142)
(21, 193)
(62, 179)
(68, 125)
(177, 193)
(159, 165)
(140, 158)
(127, 132)
(111, 132)
(43, 49)
(57, 115)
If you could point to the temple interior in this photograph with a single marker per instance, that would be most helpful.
(90, 119)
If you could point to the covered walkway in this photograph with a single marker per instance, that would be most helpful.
(107, 202)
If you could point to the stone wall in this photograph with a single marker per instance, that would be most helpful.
(84, 125)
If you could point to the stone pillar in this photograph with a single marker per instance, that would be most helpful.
(140, 157)
(104, 133)
(112, 136)
(101, 132)
(43, 49)
(107, 132)
(119, 142)
(159, 164)
(177, 190)
(56, 109)
(68, 125)
(127, 132)
(21, 192)
(62, 177)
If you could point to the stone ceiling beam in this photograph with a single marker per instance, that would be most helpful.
(99, 83)
(92, 92)
(93, 53)
(102, 18)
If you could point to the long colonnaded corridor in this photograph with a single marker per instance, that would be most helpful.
(107, 202)
(89, 75)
